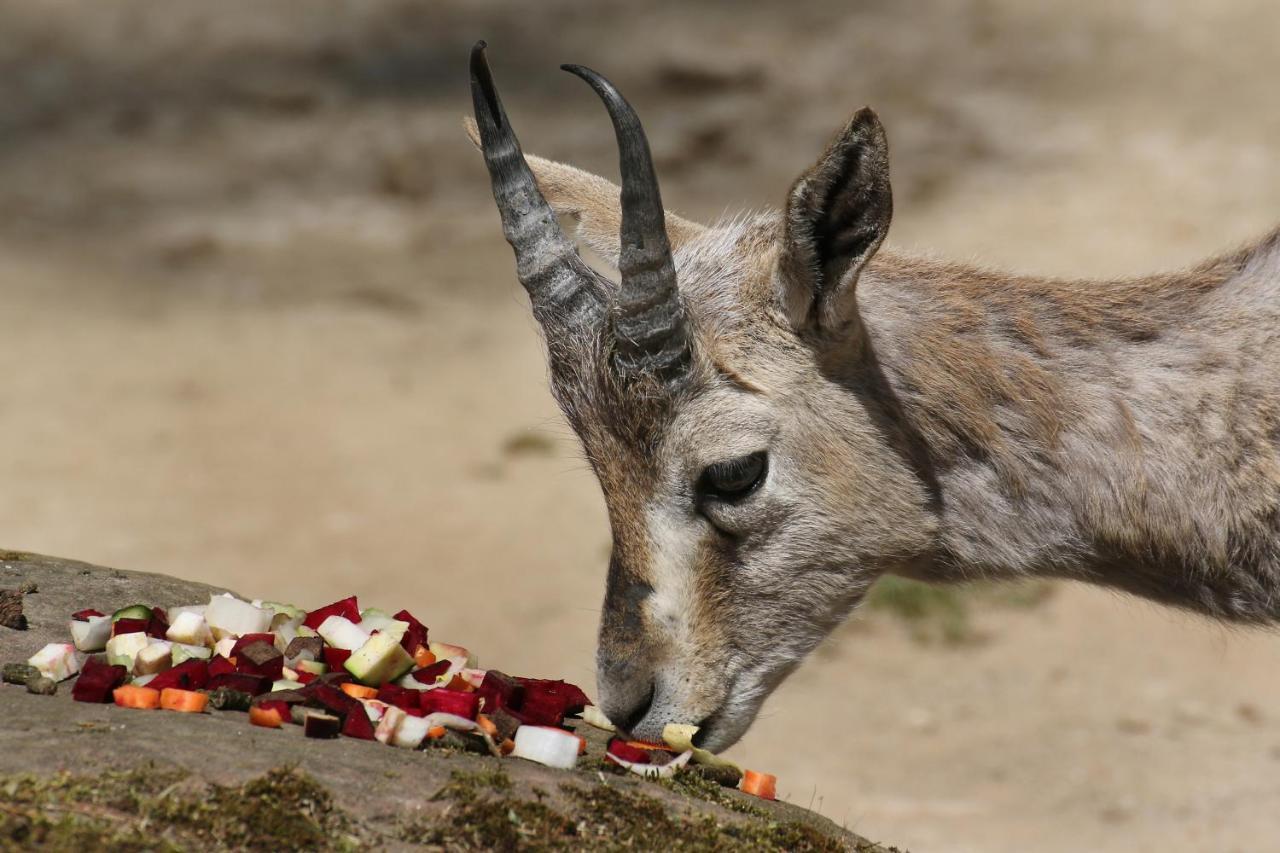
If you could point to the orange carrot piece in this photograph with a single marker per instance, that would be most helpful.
(460, 683)
(763, 785)
(187, 701)
(507, 746)
(359, 691)
(132, 696)
(582, 745)
(268, 717)
(423, 657)
(436, 732)
(487, 725)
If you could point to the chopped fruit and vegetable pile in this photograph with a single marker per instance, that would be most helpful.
(340, 670)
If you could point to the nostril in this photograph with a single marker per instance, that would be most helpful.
(638, 713)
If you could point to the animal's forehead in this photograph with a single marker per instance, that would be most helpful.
(725, 274)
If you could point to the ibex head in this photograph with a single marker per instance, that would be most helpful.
(726, 395)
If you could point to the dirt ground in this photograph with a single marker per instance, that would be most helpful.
(260, 329)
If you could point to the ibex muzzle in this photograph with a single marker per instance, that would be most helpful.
(779, 413)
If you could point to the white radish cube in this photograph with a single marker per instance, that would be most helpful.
(411, 683)
(285, 631)
(123, 648)
(224, 646)
(190, 629)
(546, 745)
(385, 624)
(155, 657)
(174, 612)
(341, 633)
(58, 661)
(391, 719)
(183, 653)
(231, 617)
(92, 634)
(412, 731)
(474, 677)
(379, 660)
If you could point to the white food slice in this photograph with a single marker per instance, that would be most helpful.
(411, 732)
(546, 745)
(387, 726)
(123, 648)
(92, 634)
(58, 661)
(341, 633)
(230, 617)
(190, 629)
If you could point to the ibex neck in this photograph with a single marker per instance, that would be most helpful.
(1123, 433)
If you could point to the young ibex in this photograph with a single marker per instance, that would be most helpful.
(778, 414)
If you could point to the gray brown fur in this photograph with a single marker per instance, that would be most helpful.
(924, 418)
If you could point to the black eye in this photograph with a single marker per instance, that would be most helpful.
(733, 479)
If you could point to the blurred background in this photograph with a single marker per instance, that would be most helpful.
(259, 328)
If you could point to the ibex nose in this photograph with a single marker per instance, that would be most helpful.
(626, 692)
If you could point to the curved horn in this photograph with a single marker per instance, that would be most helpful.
(566, 294)
(648, 319)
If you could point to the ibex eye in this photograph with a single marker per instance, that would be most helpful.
(733, 479)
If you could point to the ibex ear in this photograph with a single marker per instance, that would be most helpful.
(837, 216)
(593, 201)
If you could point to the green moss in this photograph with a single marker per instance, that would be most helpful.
(156, 809)
(14, 556)
(482, 814)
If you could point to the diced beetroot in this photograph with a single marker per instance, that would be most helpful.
(355, 722)
(335, 658)
(450, 702)
(83, 615)
(415, 636)
(402, 697)
(189, 675)
(158, 624)
(542, 709)
(281, 708)
(305, 677)
(358, 726)
(220, 666)
(573, 698)
(269, 639)
(499, 690)
(97, 680)
(260, 658)
(414, 712)
(129, 626)
(347, 608)
(627, 752)
(429, 674)
(254, 685)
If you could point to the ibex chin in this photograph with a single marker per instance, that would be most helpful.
(779, 414)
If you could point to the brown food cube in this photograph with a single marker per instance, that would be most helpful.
(321, 725)
(308, 648)
(260, 652)
(505, 723)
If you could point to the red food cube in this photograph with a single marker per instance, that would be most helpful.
(450, 702)
(281, 708)
(269, 639)
(347, 608)
(402, 697)
(499, 690)
(129, 626)
(97, 680)
(355, 722)
(189, 675)
(220, 666)
(158, 625)
(627, 752)
(415, 636)
(83, 615)
(335, 659)
(571, 695)
(305, 677)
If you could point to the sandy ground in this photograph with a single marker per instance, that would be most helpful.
(260, 329)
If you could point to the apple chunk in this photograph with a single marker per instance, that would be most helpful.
(379, 660)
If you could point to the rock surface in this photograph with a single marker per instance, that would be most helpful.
(381, 791)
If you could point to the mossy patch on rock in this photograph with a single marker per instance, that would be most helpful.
(159, 809)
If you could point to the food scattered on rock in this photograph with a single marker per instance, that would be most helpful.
(339, 670)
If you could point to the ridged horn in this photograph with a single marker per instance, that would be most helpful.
(568, 297)
(648, 318)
